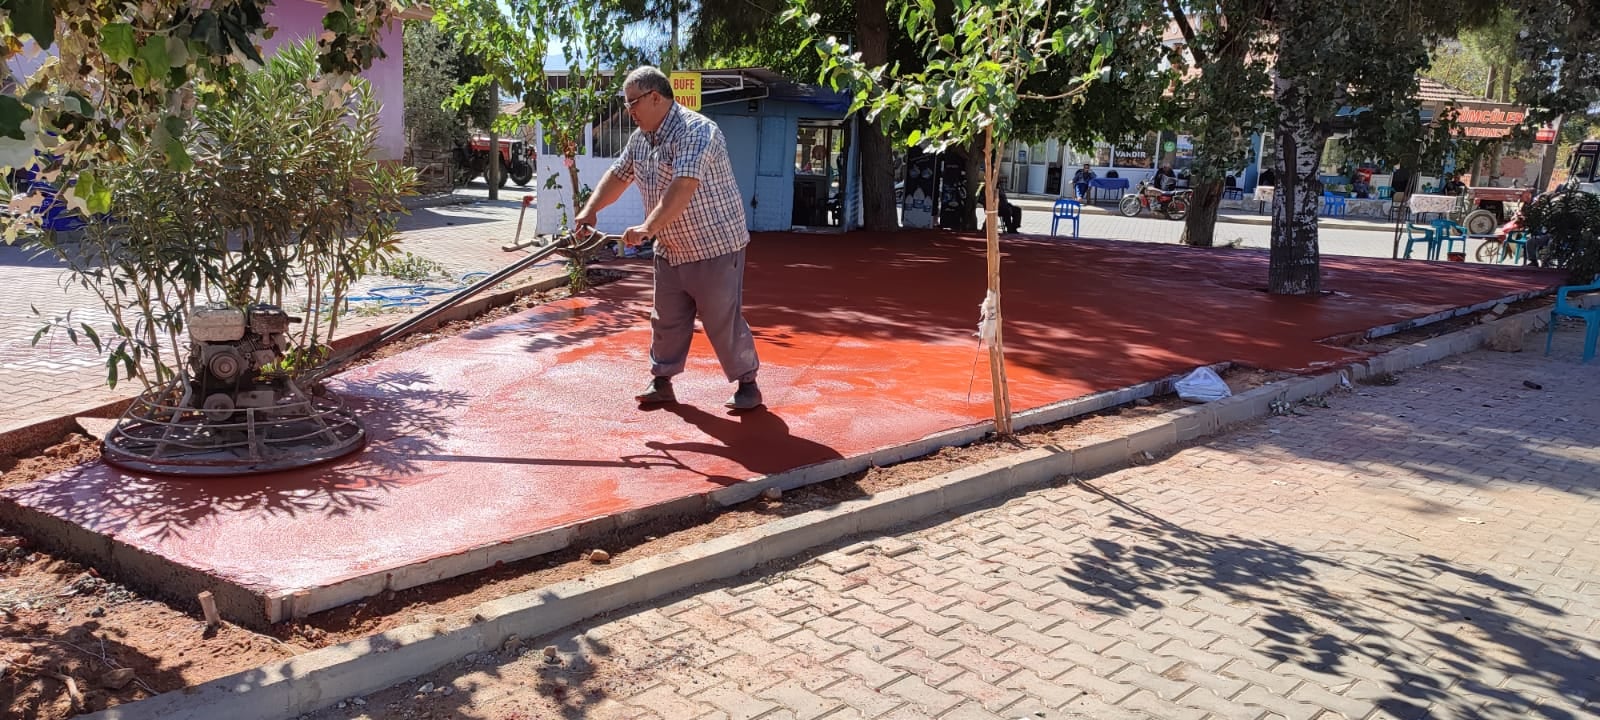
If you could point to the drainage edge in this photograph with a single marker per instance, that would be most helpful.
(321, 678)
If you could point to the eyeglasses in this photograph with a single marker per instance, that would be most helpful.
(628, 102)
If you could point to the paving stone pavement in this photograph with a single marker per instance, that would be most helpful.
(1422, 550)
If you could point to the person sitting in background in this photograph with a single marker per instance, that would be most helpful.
(1080, 181)
(1401, 183)
(1268, 178)
(1454, 186)
(1164, 179)
(1010, 215)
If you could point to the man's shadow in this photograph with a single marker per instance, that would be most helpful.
(758, 440)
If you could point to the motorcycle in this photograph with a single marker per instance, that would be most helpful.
(1174, 205)
(516, 161)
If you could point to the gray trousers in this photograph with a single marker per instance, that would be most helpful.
(715, 289)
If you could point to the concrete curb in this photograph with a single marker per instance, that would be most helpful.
(41, 434)
(324, 677)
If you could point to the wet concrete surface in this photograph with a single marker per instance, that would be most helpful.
(528, 424)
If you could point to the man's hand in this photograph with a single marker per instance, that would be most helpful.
(583, 224)
(636, 235)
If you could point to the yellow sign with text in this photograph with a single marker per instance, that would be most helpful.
(686, 89)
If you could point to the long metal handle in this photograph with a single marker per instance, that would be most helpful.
(566, 244)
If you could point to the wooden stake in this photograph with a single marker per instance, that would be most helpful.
(208, 605)
(997, 353)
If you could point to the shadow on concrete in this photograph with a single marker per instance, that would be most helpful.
(404, 419)
(758, 440)
(1473, 622)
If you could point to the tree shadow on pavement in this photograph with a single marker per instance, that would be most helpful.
(1399, 620)
(404, 418)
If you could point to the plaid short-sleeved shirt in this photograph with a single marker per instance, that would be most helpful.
(688, 145)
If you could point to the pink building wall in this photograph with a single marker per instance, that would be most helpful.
(296, 20)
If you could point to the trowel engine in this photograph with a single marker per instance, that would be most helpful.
(230, 353)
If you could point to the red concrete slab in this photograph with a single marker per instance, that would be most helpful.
(481, 441)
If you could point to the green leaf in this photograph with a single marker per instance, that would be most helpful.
(116, 41)
(153, 54)
(12, 115)
(94, 337)
(913, 138)
(34, 17)
(96, 195)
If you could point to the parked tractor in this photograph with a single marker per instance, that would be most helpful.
(1584, 170)
(517, 161)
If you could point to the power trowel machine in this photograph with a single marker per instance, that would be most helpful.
(234, 410)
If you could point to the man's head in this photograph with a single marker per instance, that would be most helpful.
(1086, 166)
(648, 96)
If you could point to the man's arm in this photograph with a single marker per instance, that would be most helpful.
(672, 204)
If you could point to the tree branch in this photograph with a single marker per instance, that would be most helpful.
(1176, 8)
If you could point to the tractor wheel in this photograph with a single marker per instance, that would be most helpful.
(522, 174)
(1480, 222)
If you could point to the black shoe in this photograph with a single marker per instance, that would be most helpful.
(747, 397)
(659, 392)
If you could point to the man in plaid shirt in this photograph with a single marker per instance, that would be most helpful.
(679, 161)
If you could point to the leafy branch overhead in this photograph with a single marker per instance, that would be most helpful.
(118, 69)
(977, 60)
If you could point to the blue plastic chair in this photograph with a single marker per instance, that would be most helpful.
(1419, 234)
(1332, 205)
(1589, 316)
(1517, 240)
(1447, 233)
(1066, 209)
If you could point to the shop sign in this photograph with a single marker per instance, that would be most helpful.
(1488, 121)
(686, 89)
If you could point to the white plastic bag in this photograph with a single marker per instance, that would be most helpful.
(1202, 385)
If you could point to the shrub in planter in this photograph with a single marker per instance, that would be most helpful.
(283, 203)
(1570, 220)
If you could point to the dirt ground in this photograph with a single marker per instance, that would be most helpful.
(74, 642)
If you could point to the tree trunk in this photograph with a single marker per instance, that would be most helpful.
(877, 157)
(1200, 226)
(492, 173)
(997, 353)
(1295, 266)
(976, 168)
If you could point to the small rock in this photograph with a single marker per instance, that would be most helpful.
(447, 691)
(426, 688)
(1505, 338)
(358, 702)
(772, 493)
(343, 704)
(1531, 385)
(510, 643)
(1500, 309)
(1141, 402)
(1148, 456)
(550, 655)
(470, 658)
(599, 556)
(117, 679)
(97, 612)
